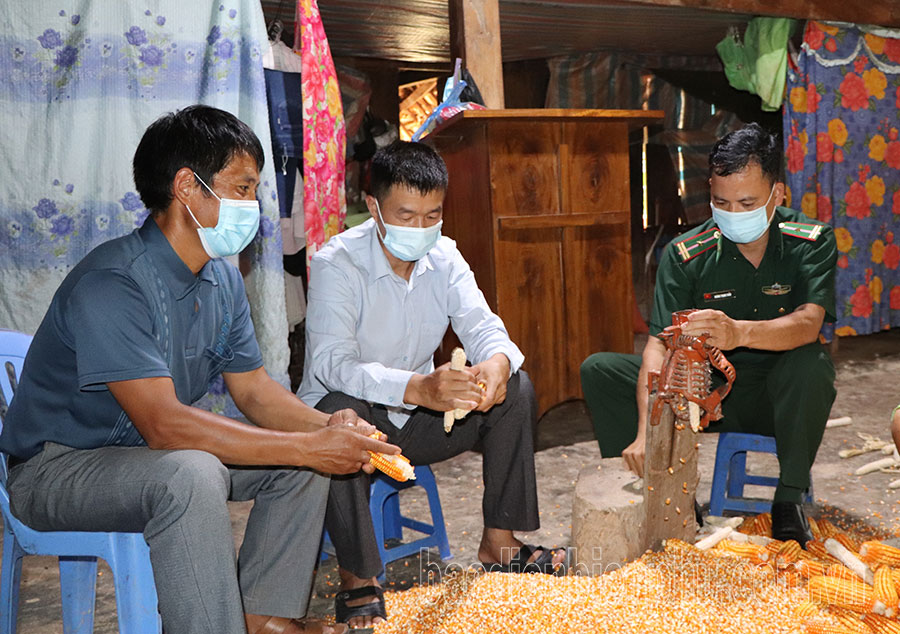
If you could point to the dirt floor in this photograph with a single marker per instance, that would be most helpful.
(868, 390)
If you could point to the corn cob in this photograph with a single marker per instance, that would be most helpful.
(840, 571)
(847, 542)
(895, 576)
(810, 568)
(885, 593)
(874, 552)
(396, 466)
(880, 624)
(851, 622)
(806, 610)
(763, 524)
(844, 593)
(755, 553)
(815, 530)
(817, 550)
(457, 362)
(787, 553)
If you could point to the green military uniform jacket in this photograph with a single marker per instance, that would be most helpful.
(703, 269)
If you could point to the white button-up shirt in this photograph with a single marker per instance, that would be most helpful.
(368, 330)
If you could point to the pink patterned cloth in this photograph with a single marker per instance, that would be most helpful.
(324, 134)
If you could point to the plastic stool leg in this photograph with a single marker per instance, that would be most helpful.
(136, 599)
(425, 477)
(737, 473)
(9, 582)
(393, 526)
(78, 589)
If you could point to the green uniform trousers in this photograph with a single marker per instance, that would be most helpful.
(787, 395)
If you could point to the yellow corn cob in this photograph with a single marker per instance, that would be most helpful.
(788, 553)
(815, 530)
(827, 529)
(774, 546)
(806, 609)
(396, 467)
(754, 552)
(847, 542)
(850, 620)
(895, 576)
(880, 624)
(748, 526)
(874, 552)
(840, 571)
(810, 568)
(885, 593)
(854, 595)
(817, 550)
(763, 524)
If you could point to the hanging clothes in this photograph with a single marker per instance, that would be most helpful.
(324, 134)
(759, 63)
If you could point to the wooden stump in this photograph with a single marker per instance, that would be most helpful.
(670, 481)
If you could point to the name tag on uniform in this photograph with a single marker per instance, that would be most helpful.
(776, 289)
(715, 296)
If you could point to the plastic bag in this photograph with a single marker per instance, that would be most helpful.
(450, 104)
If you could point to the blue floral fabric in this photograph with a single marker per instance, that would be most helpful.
(842, 146)
(79, 89)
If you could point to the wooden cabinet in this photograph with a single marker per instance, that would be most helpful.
(538, 203)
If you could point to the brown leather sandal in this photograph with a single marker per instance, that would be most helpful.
(278, 625)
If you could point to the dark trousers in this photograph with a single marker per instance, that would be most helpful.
(787, 395)
(506, 433)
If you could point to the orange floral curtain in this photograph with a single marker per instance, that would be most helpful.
(324, 133)
(843, 163)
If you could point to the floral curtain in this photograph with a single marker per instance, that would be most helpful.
(80, 84)
(842, 148)
(324, 133)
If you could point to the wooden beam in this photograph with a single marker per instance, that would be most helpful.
(883, 13)
(475, 37)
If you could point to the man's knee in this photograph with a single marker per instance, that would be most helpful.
(336, 401)
(810, 365)
(193, 476)
(600, 367)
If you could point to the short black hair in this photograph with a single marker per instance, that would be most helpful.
(199, 137)
(409, 163)
(751, 144)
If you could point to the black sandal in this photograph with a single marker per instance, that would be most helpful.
(519, 563)
(343, 612)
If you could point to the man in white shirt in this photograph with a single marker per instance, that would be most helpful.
(381, 296)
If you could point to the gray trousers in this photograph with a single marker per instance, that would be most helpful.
(177, 499)
(506, 433)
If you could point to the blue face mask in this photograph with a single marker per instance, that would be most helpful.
(408, 243)
(238, 223)
(742, 227)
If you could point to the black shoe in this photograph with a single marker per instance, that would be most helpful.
(698, 514)
(789, 522)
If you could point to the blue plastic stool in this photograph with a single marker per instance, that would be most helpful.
(384, 505)
(730, 475)
(126, 553)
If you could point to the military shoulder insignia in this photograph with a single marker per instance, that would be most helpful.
(690, 248)
(803, 230)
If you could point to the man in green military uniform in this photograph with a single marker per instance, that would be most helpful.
(762, 279)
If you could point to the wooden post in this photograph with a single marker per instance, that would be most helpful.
(475, 37)
(670, 481)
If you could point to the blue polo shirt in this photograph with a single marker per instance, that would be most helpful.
(131, 309)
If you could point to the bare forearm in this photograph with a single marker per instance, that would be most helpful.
(273, 407)
(230, 441)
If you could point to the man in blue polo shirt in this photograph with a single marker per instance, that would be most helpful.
(102, 435)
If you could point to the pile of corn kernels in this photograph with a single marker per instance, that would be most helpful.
(681, 589)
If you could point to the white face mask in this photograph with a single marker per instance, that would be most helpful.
(408, 243)
(237, 225)
(742, 227)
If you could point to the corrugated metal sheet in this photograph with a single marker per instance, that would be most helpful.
(418, 31)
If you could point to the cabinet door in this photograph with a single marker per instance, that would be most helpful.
(530, 301)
